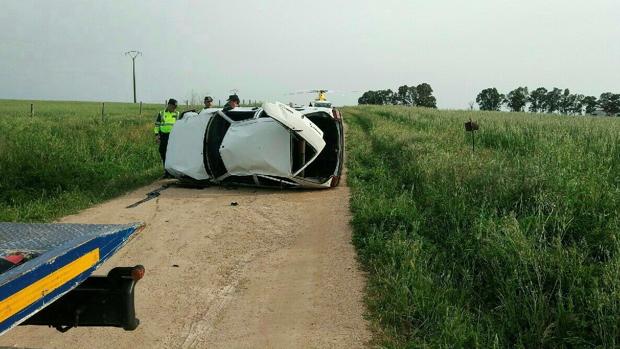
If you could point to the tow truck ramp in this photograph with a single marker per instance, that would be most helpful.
(46, 276)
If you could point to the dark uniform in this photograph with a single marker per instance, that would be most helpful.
(163, 126)
(229, 103)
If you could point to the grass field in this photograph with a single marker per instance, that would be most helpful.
(515, 245)
(66, 157)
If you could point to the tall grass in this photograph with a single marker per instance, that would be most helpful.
(515, 245)
(66, 157)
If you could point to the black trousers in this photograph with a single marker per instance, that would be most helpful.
(163, 146)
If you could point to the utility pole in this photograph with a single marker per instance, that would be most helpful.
(133, 55)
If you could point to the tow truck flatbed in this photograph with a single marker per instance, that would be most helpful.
(44, 264)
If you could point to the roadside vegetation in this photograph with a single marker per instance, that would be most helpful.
(514, 245)
(66, 157)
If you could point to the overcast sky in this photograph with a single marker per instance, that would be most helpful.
(73, 50)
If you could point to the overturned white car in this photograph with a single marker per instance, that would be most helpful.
(272, 146)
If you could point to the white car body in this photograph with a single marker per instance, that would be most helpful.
(274, 146)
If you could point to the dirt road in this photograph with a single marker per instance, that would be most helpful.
(275, 271)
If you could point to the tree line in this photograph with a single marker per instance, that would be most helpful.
(420, 96)
(542, 100)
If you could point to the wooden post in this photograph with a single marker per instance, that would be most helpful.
(102, 110)
(31, 109)
(140, 107)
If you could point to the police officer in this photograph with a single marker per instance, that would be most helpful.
(163, 126)
(208, 102)
(232, 103)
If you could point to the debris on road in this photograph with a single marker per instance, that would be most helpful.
(150, 196)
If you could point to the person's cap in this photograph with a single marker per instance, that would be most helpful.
(234, 98)
(172, 101)
(208, 99)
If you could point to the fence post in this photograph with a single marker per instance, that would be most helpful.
(140, 107)
(31, 109)
(102, 110)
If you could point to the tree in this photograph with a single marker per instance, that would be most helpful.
(517, 99)
(490, 99)
(569, 103)
(406, 95)
(424, 96)
(379, 97)
(610, 103)
(537, 100)
(370, 97)
(421, 95)
(590, 102)
(386, 96)
(552, 100)
(576, 104)
(365, 98)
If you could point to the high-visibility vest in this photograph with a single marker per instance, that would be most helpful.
(165, 121)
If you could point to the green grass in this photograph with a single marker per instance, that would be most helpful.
(66, 158)
(515, 245)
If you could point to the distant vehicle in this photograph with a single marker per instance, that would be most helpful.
(321, 99)
(322, 104)
(271, 146)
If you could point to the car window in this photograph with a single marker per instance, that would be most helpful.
(240, 115)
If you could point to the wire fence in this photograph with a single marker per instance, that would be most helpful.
(29, 108)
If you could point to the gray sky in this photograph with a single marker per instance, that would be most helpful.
(73, 50)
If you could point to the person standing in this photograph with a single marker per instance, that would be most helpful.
(208, 101)
(163, 126)
(232, 103)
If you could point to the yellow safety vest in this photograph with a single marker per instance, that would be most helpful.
(165, 121)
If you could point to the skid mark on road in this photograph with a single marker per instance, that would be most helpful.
(201, 324)
(201, 328)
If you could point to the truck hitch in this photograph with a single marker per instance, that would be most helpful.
(106, 301)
